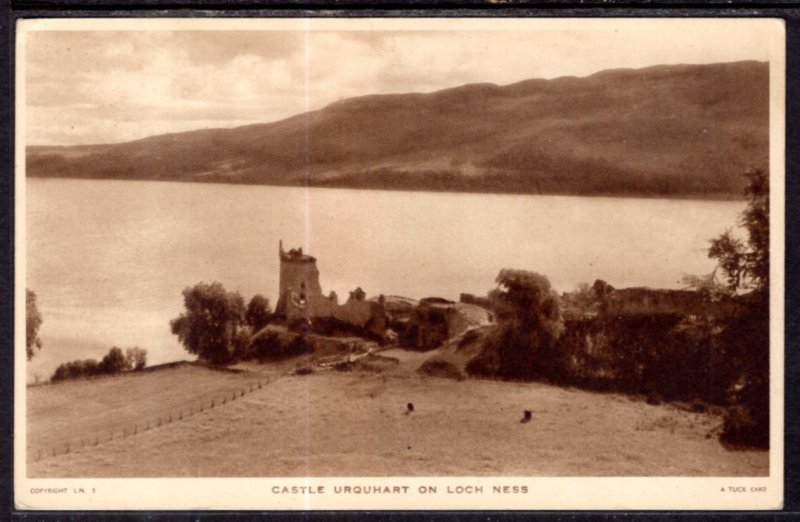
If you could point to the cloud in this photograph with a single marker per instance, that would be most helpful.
(106, 86)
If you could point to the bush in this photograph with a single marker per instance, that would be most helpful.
(298, 346)
(269, 347)
(114, 362)
(266, 347)
(76, 370)
(746, 341)
(436, 367)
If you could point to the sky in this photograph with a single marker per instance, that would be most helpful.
(106, 86)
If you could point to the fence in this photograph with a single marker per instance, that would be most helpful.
(44, 451)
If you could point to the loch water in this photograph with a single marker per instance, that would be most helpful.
(109, 259)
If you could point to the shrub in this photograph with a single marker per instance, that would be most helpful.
(746, 342)
(114, 362)
(298, 346)
(76, 370)
(266, 347)
(436, 367)
(269, 347)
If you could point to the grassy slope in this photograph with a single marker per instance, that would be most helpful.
(80, 412)
(353, 424)
(665, 130)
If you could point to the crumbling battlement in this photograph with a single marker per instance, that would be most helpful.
(298, 276)
(301, 297)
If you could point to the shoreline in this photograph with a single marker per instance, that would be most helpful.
(711, 197)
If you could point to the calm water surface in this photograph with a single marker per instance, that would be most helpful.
(109, 259)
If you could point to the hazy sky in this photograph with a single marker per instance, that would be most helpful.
(110, 86)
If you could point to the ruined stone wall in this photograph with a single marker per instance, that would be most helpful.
(626, 301)
(301, 276)
(357, 312)
(298, 275)
(301, 296)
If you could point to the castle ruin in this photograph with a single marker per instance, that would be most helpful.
(300, 296)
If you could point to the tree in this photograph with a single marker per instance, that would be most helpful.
(524, 298)
(210, 326)
(135, 358)
(33, 320)
(745, 264)
(529, 314)
(258, 312)
(744, 336)
(113, 362)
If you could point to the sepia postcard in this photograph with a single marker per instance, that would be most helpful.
(399, 263)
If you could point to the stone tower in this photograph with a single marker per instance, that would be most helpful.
(298, 276)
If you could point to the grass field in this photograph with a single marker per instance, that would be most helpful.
(354, 423)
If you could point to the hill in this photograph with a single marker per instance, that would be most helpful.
(354, 423)
(682, 130)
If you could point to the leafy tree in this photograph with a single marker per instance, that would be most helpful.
(524, 298)
(33, 320)
(745, 263)
(529, 314)
(113, 362)
(210, 326)
(745, 333)
(135, 358)
(258, 312)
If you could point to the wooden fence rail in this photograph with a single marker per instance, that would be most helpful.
(72, 446)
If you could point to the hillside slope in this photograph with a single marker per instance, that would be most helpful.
(354, 424)
(686, 130)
